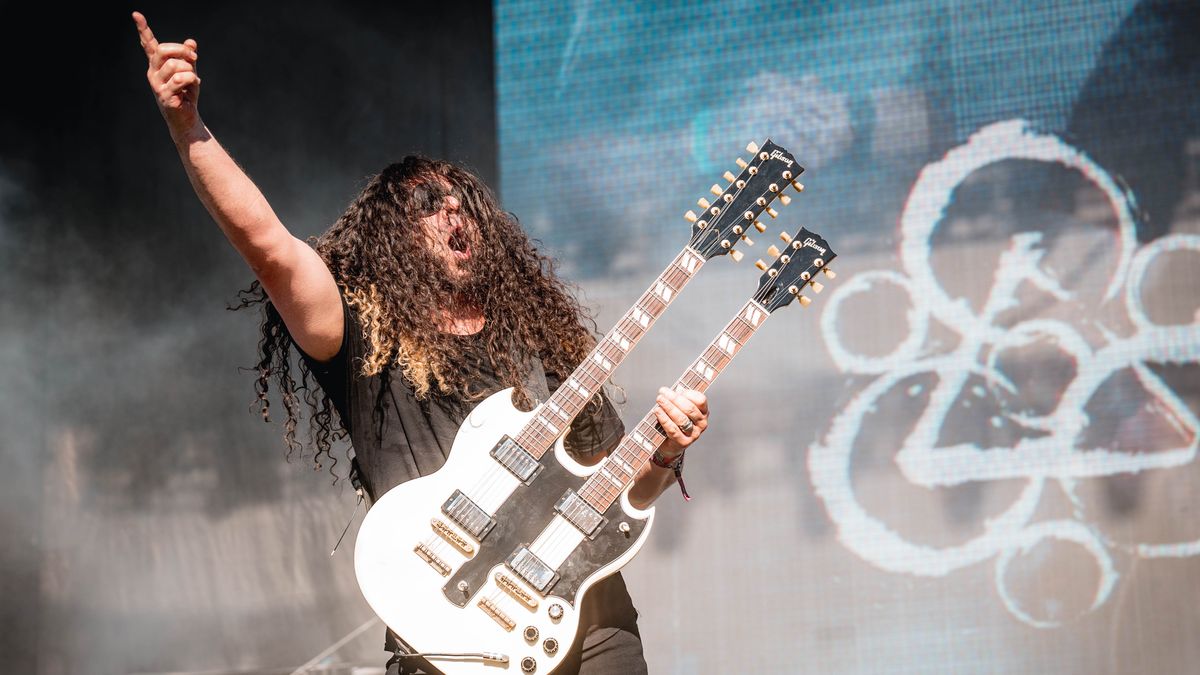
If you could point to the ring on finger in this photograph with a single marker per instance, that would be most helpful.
(687, 426)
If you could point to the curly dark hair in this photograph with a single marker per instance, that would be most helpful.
(379, 258)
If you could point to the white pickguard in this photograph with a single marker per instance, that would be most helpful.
(406, 591)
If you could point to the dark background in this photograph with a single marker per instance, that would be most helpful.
(122, 396)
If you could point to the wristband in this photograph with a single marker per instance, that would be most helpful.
(674, 464)
(660, 460)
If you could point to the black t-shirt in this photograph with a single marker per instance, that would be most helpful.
(397, 437)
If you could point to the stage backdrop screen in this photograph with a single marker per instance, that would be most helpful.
(975, 450)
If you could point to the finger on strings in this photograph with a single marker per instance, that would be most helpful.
(677, 407)
(687, 405)
(669, 426)
(697, 398)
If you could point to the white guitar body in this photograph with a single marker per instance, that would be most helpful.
(409, 549)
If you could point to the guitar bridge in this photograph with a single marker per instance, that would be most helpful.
(430, 557)
(491, 609)
(514, 589)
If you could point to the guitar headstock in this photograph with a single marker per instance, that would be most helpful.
(735, 208)
(797, 265)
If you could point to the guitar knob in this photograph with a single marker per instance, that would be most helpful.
(555, 611)
(528, 665)
(531, 633)
(551, 646)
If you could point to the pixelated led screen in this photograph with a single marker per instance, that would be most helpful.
(975, 451)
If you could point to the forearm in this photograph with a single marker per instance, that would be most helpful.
(235, 203)
(648, 484)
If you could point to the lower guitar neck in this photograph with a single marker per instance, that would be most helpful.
(623, 464)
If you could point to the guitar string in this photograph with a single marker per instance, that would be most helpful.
(553, 542)
(611, 492)
(497, 471)
(560, 537)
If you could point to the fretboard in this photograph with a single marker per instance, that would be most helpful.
(619, 468)
(554, 417)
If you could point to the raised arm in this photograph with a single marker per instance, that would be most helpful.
(293, 275)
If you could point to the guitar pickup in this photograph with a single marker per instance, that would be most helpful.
(468, 515)
(514, 458)
(531, 568)
(579, 513)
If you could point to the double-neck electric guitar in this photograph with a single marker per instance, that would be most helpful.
(479, 566)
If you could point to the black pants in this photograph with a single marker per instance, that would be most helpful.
(608, 642)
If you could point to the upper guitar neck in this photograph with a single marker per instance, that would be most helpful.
(539, 434)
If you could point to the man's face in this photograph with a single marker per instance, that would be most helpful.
(449, 233)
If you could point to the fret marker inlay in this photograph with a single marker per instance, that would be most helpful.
(726, 344)
(753, 315)
(603, 362)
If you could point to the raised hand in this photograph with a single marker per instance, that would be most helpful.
(172, 76)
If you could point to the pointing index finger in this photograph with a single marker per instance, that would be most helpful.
(145, 35)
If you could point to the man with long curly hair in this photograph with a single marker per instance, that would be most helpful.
(422, 299)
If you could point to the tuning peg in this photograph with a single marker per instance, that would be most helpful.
(716, 189)
(747, 240)
(760, 264)
(804, 300)
(787, 238)
(752, 147)
(703, 203)
(772, 212)
(736, 255)
(798, 185)
(741, 163)
(830, 273)
(690, 216)
(728, 175)
(773, 251)
(785, 200)
(759, 226)
(816, 286)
